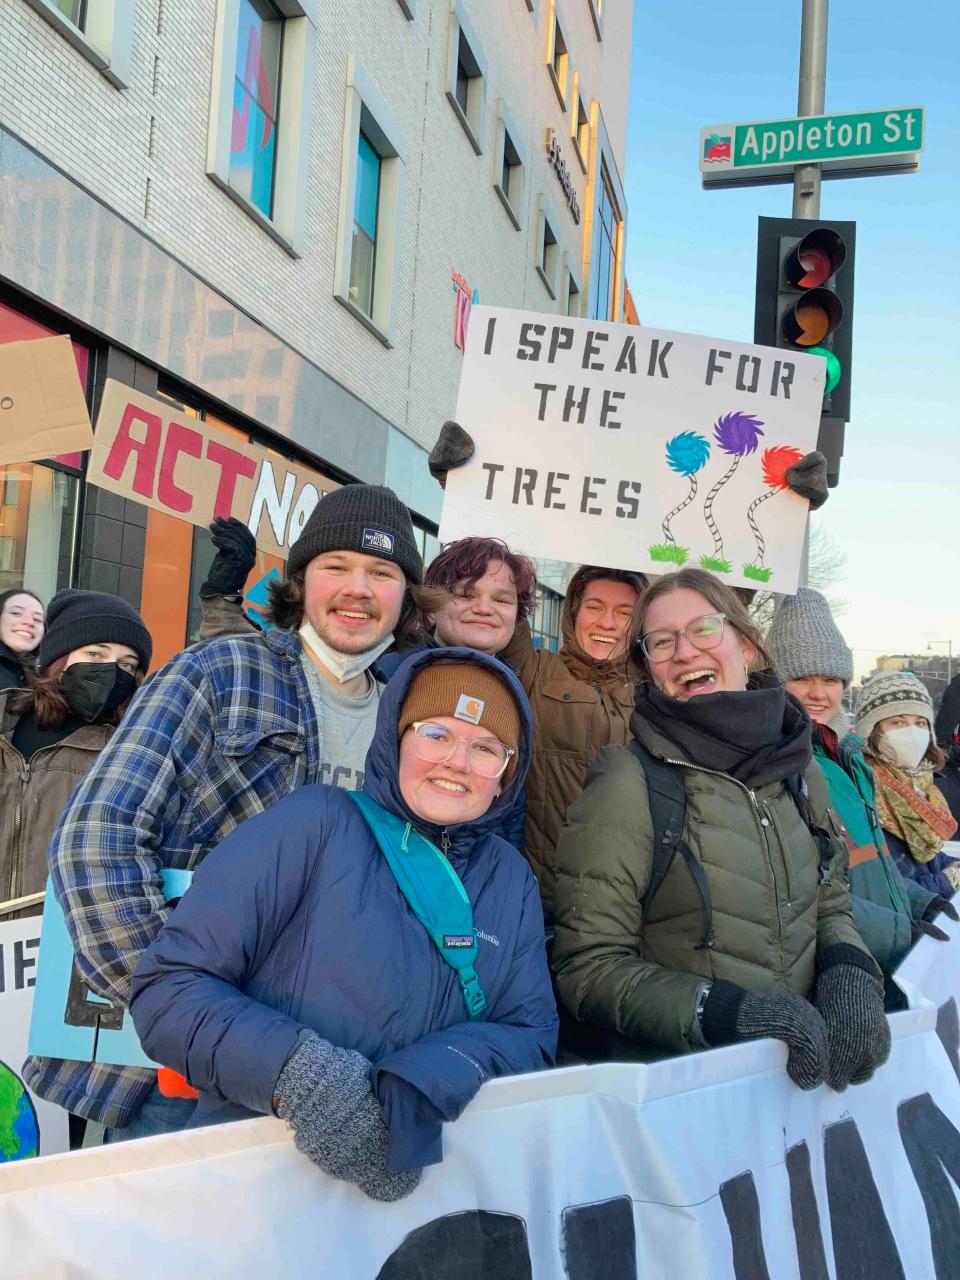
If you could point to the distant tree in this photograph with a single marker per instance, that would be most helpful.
(826, 568)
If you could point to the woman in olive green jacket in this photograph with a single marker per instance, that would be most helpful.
(750, 932)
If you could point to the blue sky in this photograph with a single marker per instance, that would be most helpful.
(691, 266)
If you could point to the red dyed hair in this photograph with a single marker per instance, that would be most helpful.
(465, 562)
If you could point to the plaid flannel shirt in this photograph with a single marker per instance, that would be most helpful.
(222, 732)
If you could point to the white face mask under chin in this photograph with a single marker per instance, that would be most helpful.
(345, 666)
(905, 747)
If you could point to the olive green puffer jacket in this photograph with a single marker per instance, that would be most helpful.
(639, 978)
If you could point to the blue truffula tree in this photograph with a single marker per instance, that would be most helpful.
(687, 453)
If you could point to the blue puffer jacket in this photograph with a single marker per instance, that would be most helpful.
(296, 921)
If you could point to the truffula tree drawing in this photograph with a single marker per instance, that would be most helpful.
(687, 453)
(737, 434)
(774, 464)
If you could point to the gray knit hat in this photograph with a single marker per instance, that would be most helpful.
(359, 517)
(892, 693)
(804, 641)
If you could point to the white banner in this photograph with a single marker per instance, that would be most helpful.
(633, 448)
(27, 1123)
(712, 1166)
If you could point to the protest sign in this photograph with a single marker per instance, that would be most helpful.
(146, 450)
(633, 448)
(42, 409)
(28, 1125)
(71, 1021)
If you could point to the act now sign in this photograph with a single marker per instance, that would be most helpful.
(843, 145)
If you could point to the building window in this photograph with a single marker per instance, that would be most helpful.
(102, 30)
(573, 295)
(558, 60)
(548, 251)
(257, 147)
(370, 187)
(466, 77)
(363, 257)
(581, 129)
(510, 166)
(606, 251)
(596, 13)
(545, 624)
(256, 101)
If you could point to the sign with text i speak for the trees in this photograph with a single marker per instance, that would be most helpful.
(633, 448)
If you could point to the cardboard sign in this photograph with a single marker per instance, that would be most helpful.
(42, 409)
(633, 448)
(146, 450)
(71, 1021)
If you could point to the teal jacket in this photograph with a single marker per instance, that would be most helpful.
(884, 901)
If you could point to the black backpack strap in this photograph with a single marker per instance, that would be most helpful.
(667, 795)
(825, 846)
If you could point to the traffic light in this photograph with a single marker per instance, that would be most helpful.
(805, 303)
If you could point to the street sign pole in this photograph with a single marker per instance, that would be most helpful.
(811, 93)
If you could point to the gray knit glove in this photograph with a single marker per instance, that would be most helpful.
(324, 1094)
(808, 478)
(849, 995)
(454, 447)
(732, 1013)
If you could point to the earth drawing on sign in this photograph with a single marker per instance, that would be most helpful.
(19, 1130)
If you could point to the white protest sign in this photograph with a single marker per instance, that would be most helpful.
(26, 1122)
(633, 448)
(713, 1165)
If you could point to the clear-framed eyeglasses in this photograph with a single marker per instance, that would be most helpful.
(705, 632)
(486, 757)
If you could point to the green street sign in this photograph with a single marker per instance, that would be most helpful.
(844, 146)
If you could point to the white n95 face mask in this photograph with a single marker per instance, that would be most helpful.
(343, 665)
(905, 747)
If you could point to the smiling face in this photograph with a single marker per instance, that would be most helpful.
(603, 617)
(353, 600)
(445, 794)
(819, 695)
(482, 616)
(691, 671)
(21, 623)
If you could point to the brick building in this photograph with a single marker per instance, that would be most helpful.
(276, 214)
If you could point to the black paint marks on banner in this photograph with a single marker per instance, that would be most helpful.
(948, 1029)
(932, 1145)
(863, 1244)
(806, 1215)
(474, 1245)
(599, 1241)
(742, 1209)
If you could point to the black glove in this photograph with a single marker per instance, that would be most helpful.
(808, 478)
(732, 1013)
(324, 1094)
(454, 447)
(924, 929)
(935, 906)
(849, 995)
(236, 556)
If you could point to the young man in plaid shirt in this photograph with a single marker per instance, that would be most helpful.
(219, 734)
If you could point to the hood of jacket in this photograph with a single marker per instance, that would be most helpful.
(381, 771)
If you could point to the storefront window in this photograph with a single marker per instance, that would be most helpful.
(545, 623)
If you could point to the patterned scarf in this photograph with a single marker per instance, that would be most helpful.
(922, 820)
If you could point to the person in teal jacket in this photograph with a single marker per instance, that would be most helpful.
(816, 665)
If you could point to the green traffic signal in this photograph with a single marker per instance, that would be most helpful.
(834, 367)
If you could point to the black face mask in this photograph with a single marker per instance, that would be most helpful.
(94, 689)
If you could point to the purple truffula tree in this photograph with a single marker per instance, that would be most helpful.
(687, 453)
(736, 434)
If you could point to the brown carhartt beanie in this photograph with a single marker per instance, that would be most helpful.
(471, 693)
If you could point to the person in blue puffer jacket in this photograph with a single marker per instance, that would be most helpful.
(326, 966)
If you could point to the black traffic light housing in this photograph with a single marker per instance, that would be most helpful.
(805, 301)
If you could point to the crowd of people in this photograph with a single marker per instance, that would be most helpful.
(428, 853)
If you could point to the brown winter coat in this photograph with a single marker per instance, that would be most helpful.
(639, 978)
(580, 705)
(32, 798)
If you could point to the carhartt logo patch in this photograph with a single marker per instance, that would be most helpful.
(458, 939)
(376, 540)
(469, 708)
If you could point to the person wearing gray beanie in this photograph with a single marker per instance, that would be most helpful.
(813, 660)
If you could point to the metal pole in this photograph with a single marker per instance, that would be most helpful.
(811, 93)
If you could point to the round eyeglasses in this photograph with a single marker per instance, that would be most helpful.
(486, 757)
(705, 632)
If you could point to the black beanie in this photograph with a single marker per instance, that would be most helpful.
(78, 618)
(359, 517)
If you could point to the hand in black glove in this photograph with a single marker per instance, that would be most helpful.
(924, 929)
(454, 447)
(236, 556)
(938, 904)
(732, 1013)
(808, 478)
(849, 995)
